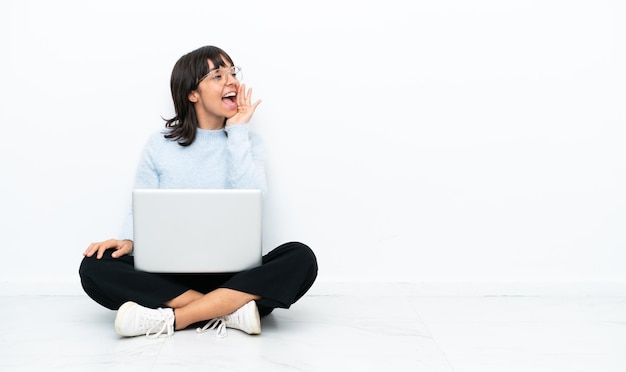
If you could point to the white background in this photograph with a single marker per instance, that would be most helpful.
(405, 141)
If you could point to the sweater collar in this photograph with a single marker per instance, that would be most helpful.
(210, 135)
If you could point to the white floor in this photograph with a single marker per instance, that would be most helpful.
(333, 333)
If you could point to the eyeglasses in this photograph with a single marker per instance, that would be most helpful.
(220, 75)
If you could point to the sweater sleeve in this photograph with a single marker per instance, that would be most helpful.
(146, 177)
(246, 161)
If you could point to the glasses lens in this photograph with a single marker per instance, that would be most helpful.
(236, 72)
(221, 74)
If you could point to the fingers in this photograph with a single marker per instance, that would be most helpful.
(258, 102)
(243, 95)
(122, 247)
(248, 97)
(94, 248)
(245, 107)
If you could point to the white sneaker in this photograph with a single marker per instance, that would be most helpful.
(135, 320)
(246, 319)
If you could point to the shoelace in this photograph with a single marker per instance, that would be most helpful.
(218, 324)
(160, 321)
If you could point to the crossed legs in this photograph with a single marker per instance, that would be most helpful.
(192, 306)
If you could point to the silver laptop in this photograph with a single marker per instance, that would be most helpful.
(197, 231)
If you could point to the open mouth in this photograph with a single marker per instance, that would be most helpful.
(230, 99)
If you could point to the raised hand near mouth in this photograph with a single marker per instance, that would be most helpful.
(245, 107)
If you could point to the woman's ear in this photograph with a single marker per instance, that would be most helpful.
(193, 96)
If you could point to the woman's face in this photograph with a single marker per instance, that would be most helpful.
(215, 99)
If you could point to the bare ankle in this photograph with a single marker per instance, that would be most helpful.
(184, 299)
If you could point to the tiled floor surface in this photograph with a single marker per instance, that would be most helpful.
(333, 333)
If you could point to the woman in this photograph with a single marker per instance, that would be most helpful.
(207, 144)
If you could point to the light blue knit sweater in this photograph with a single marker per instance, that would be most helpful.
(230, 158)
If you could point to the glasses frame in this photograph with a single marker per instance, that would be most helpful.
(234, 71)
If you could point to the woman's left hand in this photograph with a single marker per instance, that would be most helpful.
(245, 107)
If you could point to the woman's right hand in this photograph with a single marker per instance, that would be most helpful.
(122, 247)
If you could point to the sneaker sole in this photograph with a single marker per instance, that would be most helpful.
(121, 312)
